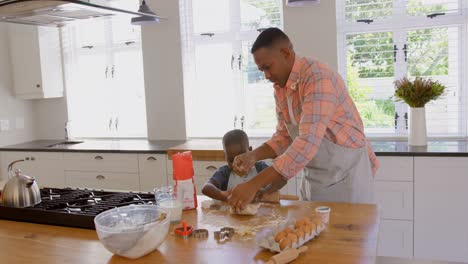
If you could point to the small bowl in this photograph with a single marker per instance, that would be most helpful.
(132, 231)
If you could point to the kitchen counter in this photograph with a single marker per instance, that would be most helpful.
(351, 237)
(211, 149)
(98, 145)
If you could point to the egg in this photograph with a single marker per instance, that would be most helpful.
(299, 223)
(300, 234)
(285, 242)
(293, 237)
(280, 235)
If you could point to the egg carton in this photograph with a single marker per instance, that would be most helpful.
(265, 238)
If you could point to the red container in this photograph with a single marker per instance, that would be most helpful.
(182, 166)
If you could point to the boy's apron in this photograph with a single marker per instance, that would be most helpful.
(235, 180)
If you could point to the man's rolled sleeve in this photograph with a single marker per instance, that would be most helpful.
(317, 109)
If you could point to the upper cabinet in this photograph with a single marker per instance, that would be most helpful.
(36, 61)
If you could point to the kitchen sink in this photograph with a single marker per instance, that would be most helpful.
(64, 144)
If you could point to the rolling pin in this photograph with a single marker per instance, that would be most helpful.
(287, 256)
(275, 197)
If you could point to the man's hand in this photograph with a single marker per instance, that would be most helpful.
(242, 195)
(243, 163)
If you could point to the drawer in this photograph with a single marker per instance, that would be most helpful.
(395, 239)
(395, 169)
(103, 180)
(108, 162)
(395, 199)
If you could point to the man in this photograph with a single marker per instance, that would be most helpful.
(319, 130)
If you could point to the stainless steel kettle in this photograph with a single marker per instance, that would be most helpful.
(20, 190)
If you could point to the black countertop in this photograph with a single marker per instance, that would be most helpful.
(98, 145)
(449, 148)
(452, 148)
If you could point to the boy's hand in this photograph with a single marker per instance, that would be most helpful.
(243, 163)
(225, 194)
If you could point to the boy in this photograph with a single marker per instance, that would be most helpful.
(235, 142)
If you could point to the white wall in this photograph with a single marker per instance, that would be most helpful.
(11, 108)
(162, 60)
(312, 30)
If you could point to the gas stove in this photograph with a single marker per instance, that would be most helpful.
(73, 207)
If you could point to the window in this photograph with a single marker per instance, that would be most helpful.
(381, 41)
(223, 87)
(104, 67)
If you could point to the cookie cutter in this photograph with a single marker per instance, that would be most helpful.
(229, 230)
(224, 234)
(185, 231)
(200, 233)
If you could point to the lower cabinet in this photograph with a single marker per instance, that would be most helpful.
(394, 196)
(441, 208)
(395, 238)
(103, 180)
(152, 171)
(46, 167)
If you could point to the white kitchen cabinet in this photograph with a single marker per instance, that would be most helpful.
(395, 199)
(110, 162)
(398, 169)
(46, 167)
(394, 195)
(112, 171)
(441, 208)
(103, 180)
(395, 238)
(152, 171)
(36, 61)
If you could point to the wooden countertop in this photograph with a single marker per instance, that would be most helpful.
(207, 149)
(351, 237)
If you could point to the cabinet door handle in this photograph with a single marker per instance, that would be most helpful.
(100, 177)
(27, 158)
(38, 86)
(33, 158)
(151, 158)
(98, 158)
(211, 167)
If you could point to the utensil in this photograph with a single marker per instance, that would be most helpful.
(20, 190)
(275, 197)
(184, 231)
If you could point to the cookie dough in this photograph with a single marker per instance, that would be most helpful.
(250, 209)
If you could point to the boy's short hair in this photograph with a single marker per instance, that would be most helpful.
(268, 38)
(235, 136)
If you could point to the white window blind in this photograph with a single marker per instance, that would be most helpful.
(105, 82)
(223, 87)
(382, 41)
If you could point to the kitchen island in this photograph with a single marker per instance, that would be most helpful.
(351, 237)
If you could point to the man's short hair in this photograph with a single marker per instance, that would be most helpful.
(234, 137)
(268, 38)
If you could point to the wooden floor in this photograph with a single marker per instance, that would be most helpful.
(391, 260)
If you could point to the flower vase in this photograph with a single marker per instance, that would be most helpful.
(417, 127)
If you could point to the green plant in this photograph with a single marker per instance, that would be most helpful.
(419, 92)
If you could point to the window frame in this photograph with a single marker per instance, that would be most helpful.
(71, 51)
(236, 36)
(398, 24)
